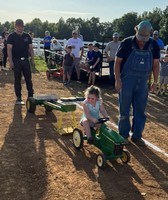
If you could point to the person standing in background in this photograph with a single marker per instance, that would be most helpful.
(158, 40)
(19, 47)
(110, 51)
(67, 66)
(5, 54)
(77, 51)
(31, 34)
(161, 46)
(4, 31)
(163, 82)
(47, 44)
(1, 53)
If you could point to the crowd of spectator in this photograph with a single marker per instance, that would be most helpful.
(92, 61)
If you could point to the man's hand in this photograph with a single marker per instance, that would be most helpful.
(11, 65)
(153, 87)
(118, 85)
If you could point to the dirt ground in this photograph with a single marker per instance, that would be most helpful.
(36, 163)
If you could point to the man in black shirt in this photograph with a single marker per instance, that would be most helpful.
(19, 45)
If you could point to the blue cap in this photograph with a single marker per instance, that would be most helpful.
(116, 35)
(143, 31)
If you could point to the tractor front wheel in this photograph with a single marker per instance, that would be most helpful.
(101, 161)
(77, 138)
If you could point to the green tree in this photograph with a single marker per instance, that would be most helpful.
(164, 26)
(35, 26)
(126, 24)
(63, 30)
(154, 17)
(93, 30)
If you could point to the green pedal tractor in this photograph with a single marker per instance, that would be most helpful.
(108, 141)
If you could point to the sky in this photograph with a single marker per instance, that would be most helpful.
(53, 10)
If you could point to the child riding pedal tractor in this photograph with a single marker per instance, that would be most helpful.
(97, 132)
(108, 141)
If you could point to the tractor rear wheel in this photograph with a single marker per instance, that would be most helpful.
(125, 156)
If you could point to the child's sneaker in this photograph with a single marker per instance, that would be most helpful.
(68, 82)
(78, 81)
(90, 140)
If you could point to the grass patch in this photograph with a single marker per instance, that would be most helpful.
(40, 64)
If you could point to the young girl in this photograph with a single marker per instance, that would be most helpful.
(92, 108)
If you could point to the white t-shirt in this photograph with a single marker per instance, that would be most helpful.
(76, 44)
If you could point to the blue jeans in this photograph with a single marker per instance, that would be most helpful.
(111, 71)
(134, 92)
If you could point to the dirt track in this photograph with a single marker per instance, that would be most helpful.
(36, 163)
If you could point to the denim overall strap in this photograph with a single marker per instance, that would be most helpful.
(139, 63)
(134, 92)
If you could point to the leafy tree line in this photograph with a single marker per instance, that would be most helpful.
(93, 30)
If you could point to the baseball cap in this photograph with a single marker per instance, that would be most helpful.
(143, 31)
(19, 22)
(75, 31)
(69, 47)
(155, 32)
(47, 32)
(96, 45)
(115, 34)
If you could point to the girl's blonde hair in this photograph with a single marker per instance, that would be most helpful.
(93, 90)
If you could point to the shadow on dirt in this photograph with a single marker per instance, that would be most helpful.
(155, 106)
(153, 164)
(113, 180)
(23, 166)
(24, 171)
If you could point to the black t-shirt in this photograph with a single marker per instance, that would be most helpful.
(126, 47)
(20, 44)
(97, 54)
(68, 59)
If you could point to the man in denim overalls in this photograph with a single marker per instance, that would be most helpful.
(136, 57)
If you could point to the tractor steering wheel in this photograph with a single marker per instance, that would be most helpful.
(102, 120)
